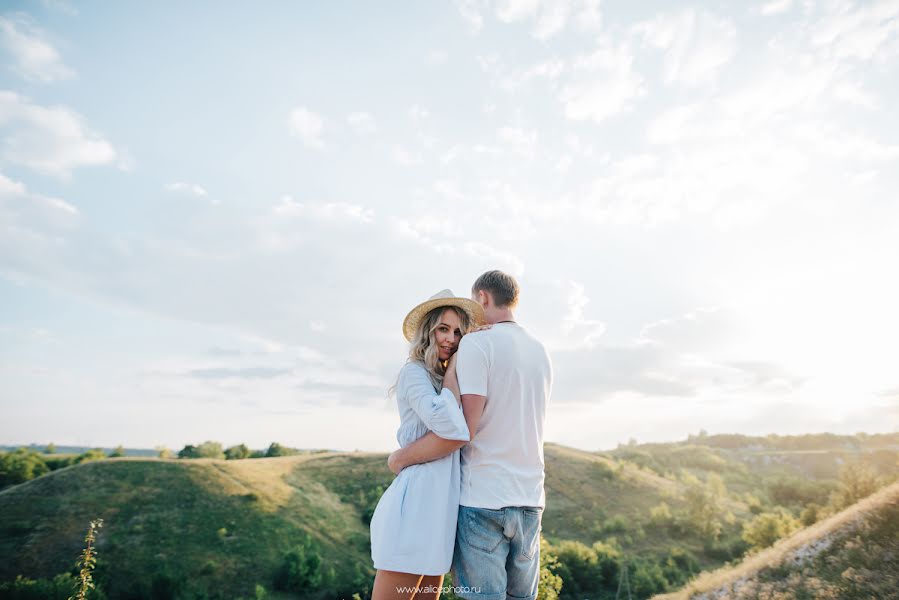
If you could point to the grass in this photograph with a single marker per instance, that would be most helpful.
(786, 555)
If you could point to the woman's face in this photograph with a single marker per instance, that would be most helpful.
(448, 334)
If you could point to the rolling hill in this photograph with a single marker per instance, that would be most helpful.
(207, 528)
(853, 554)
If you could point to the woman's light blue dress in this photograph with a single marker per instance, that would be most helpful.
(413, 529)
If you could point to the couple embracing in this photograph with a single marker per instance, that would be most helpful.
(468, 496)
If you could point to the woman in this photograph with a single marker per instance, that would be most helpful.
(413, 528)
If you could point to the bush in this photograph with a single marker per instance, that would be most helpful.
(58, 588)
(21, 465)
(660, 515)
(92, 454)
(276, 449)
(767, 528)
(857, 481)
(237, 452)
(301, 569)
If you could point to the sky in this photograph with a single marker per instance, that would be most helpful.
(215, 216)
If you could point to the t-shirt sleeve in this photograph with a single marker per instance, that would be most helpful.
(471, 367)
(441, 412)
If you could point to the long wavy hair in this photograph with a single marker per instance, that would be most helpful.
(423, 348)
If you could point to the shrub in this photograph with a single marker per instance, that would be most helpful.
(660, 515)
(23, 588)
(767, 528)
(21, 465)
(237, 452)
(276, 449)
(301, 569)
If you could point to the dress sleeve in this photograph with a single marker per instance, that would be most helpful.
(440, 412)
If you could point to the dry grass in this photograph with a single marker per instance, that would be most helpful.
(813, 537)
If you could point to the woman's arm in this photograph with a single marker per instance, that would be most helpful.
(450, 380)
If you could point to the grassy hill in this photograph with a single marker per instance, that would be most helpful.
(853, 554)
(207, 528)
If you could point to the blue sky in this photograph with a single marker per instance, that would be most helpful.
(213, 218)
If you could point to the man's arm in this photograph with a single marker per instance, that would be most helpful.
(430, 446)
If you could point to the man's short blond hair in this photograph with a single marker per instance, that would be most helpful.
(501, 286)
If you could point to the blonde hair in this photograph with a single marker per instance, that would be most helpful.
(501, 286)
(423, 348)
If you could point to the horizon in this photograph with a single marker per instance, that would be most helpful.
(214, 230)
(698, 436)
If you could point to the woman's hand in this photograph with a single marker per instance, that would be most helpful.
(393, 463)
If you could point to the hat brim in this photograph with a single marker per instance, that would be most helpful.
(413, 319)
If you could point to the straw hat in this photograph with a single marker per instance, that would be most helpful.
(442, 298)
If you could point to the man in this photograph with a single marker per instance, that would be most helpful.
(505, 379)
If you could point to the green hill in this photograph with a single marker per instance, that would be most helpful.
(854, 554)
(211, 528)
(207, 528)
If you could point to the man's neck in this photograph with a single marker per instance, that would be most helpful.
(501, 316)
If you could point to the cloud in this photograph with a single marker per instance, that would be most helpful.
(520, 141)
(602, 84)
(307, 126)
(684, 357)
(49, 140)
(860, 31)
(776, 7)
(471, 12)
(696, 44)
(180, 187)
(418, 113)
(361, 122)
(547, 18)
(35, 58)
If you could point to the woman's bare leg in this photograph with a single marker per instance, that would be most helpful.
(393, 585)
(430, 587)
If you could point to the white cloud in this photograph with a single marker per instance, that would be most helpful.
(472, 13)
(696, 44)
(589, 18)
(50, 140)
(860, 31)
(35, 58)
(418, 113)
(603, 84)
(522, 142)
(776, 7)
(404, 158)
(181, 187)
(362, 123)
(307, 126)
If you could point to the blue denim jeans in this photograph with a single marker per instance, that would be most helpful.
(497, 553)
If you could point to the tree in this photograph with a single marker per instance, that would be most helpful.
(237, 452)
(857, 481)
(189, 451)
(163, 452)
(50, 449)
(210, 449)
(767, 528)
(810, 514)
(92, 454)
(21, 465)
(276, 449)
(118, 451)
(704, 503)
(301, 570)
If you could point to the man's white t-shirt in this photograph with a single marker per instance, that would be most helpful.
(503, 464)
